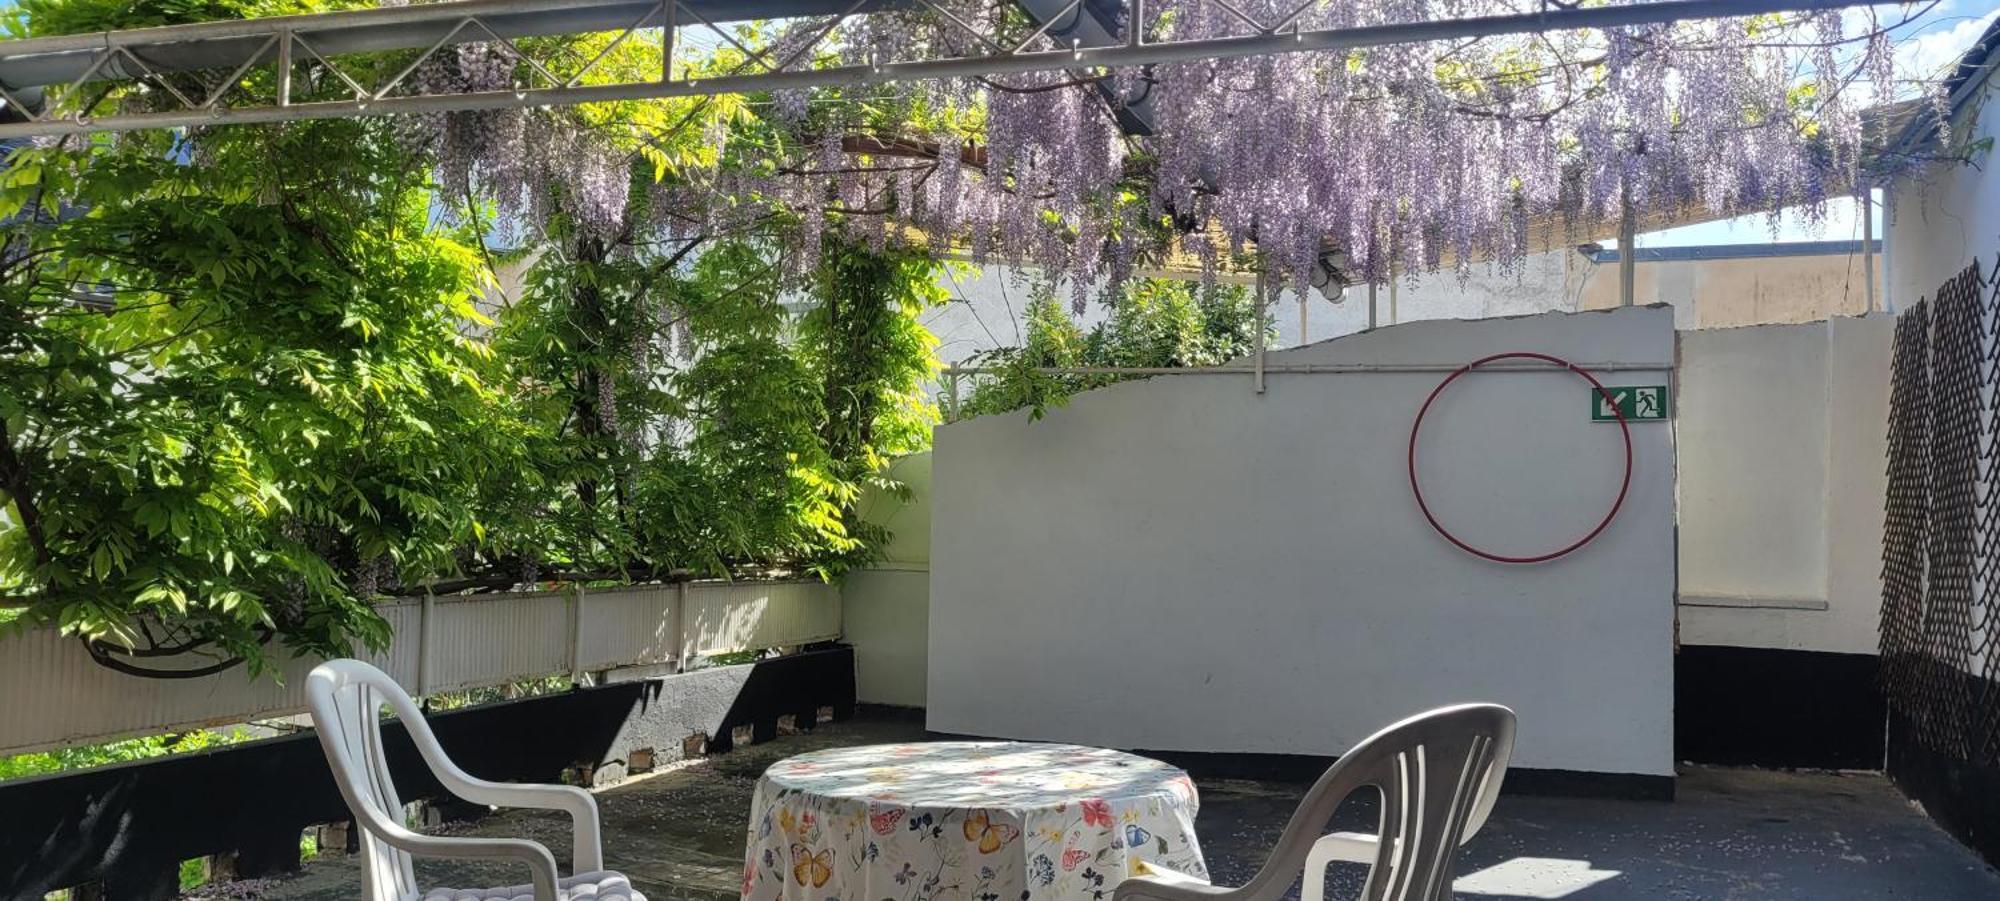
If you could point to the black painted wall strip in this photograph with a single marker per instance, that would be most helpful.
(130, 825)
(1960, 796)
(1309, 767)
(1520, 781)
(1778, 708)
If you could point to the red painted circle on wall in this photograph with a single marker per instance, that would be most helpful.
(1624, 483)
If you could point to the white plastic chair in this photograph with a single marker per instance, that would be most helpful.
(346, 699)
(1439, 774)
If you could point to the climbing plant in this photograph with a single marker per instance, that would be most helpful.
(1405, 157)
(1152, 323)
(257, 379)
(240, 399)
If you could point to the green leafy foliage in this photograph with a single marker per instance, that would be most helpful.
(237, 396)
(249, 386)
(872, 355)
(746, 450)
(86, 756)
(1154, 323)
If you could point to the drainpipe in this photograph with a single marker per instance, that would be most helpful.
(1868, 243)
(1628, 253)
(1888, 259)
(1263, 325)
(1392, 294)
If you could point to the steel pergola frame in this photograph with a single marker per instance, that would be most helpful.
(242, 47)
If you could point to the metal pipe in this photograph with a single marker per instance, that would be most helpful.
(612, 14)
(1310, 369)
(669, 16)
(426, 645)
(222, 45)
(1628, 250)
(587, 15)
(1888, 259)
(574, 623)
(1392, 294)
(1263, 324)
(14, 55)
(1868, 243)
(285, 69)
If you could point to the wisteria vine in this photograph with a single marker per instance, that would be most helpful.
(1404, 158)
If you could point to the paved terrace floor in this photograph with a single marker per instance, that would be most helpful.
(1730, 834)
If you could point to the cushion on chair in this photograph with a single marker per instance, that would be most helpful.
(601, 886)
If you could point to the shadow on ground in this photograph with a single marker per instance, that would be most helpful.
(1731, 834)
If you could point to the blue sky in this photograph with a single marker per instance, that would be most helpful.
(1926, 50)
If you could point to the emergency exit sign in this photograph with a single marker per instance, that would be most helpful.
(1638, 403)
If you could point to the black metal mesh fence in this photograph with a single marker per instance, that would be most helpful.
(1941, 536)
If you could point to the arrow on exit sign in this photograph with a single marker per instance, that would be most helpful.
(1638, 403)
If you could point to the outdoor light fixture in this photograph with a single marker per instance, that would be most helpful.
(1331, 277)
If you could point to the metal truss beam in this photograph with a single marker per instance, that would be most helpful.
(78, 58)
(240, 47)
(1096, 23)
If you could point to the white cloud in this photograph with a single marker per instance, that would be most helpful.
(1931, 54)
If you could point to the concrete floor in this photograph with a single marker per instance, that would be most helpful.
(1730, 834)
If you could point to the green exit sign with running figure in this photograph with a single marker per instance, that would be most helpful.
(1637, 403)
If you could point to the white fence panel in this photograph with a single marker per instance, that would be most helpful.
(635, 627)
(52, 694)
(488, 640)
(722, 617)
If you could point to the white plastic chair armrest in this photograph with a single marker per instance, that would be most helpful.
(1148, 870)
(585, 834)
(541, 863)
(587, 851)
(1346, 847)
(1343, 847)
(1162, 887)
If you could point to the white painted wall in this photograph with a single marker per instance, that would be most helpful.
(885, 609)
(1782, 474)
(1942, 217)
(1181, 564)
(1752, 462)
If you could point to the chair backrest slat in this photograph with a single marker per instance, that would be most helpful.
(346, 698)
(1436, 773)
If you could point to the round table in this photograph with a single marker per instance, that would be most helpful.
(965, 821)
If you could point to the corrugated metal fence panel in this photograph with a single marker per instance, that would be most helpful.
(632, 627)
(491, 639)
(404, 658)
(725, 617)
(52, 694)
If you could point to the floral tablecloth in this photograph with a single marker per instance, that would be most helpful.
(965, 821)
